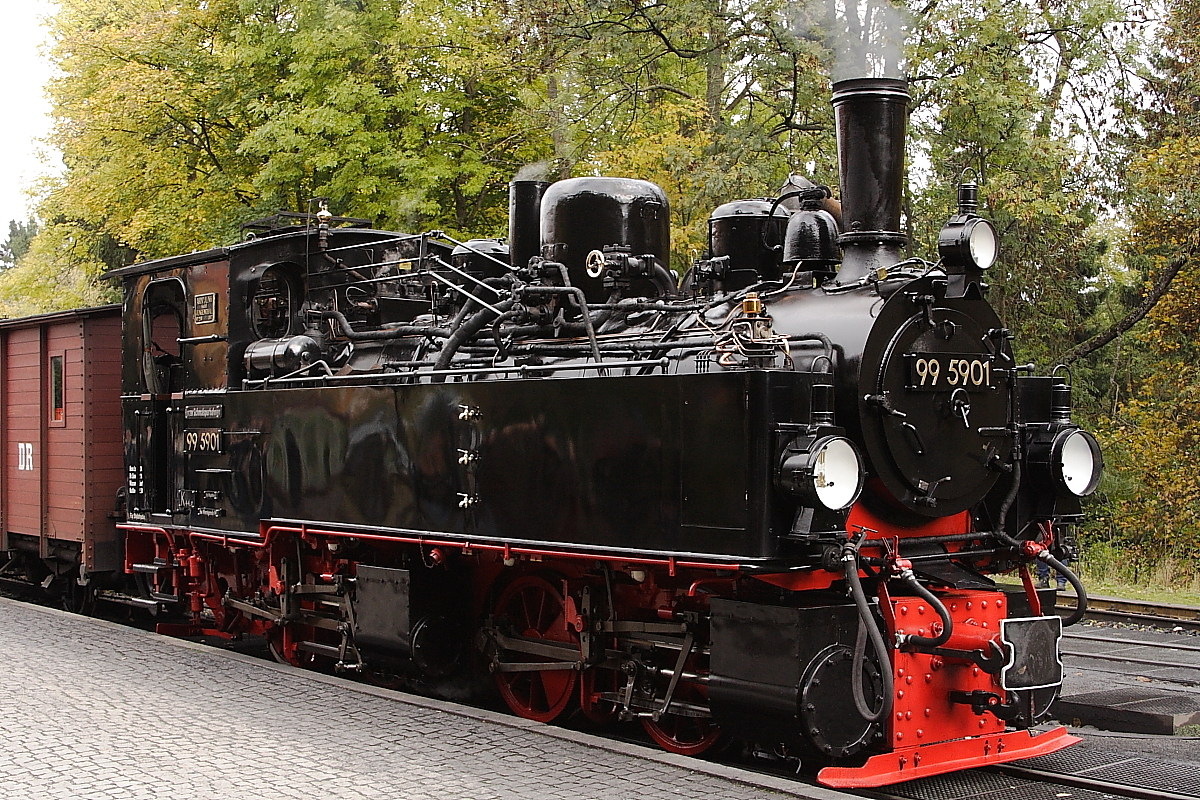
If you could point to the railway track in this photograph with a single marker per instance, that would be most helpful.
(1136, 612)
(1087, 783)
(1187, 672)
(1087, 771)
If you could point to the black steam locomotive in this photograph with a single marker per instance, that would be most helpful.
(762, 502)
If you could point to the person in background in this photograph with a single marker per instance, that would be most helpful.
(1063, 548)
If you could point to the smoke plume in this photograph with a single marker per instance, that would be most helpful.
(865, 39)
(537, 171)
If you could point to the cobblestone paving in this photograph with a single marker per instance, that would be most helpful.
(89, 709)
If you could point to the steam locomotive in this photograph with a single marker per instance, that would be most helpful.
(763, 502)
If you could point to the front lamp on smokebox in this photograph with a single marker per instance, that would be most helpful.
(824, 472)
(1065, 460)
(1076, 462)
(967, 240)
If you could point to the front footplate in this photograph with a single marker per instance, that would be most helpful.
(905, 764)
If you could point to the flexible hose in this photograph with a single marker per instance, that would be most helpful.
(469, 327)
(500, 346)
(867, 627)
(1081, 598)
(928, 596)
(1009, 499)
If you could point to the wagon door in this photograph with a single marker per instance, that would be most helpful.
(155, 465)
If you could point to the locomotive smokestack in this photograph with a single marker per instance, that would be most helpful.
(524, 220)
(871, 116)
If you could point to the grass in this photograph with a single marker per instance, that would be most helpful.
(1106, 570)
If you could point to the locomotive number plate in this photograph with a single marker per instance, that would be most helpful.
(202, 440)
(944, 372)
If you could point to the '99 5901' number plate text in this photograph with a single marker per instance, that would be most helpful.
(941, 372)
(202, 440)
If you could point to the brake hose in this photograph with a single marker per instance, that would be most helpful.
(1081, 598)
(866, 627)
(914, 640)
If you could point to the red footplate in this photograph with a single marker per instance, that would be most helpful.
(905, 764)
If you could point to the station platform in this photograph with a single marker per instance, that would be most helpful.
(93, 709)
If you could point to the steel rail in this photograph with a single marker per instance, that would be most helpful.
(1159, 615)
(1046, 777)
(1147, 662)
(1130, 643)
(1094, 784)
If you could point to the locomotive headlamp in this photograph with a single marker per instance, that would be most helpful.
(967, 239)
(968, 242)
(1075, 455)
(825, 472)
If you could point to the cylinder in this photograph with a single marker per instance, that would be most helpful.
(871, 117)
(524, 220)
(275, 357)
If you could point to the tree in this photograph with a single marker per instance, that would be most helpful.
(1154, 438)
(1015, 94)
(20, 235)
(180, 119)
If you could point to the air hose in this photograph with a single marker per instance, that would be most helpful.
(1081, 598)
(866, 627)
(947, 624)
(467, 329)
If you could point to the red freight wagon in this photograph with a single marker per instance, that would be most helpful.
(60, 435)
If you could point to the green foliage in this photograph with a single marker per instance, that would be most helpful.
(58, 271)
(20, 236)
(1152, 505)
(1004, 90)
(180, 119)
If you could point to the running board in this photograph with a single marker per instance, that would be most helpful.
(907, 763)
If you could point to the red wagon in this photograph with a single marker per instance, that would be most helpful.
(60, 433)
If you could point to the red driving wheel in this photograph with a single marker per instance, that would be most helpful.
(532, 608)
(592, 683)
(685, 735)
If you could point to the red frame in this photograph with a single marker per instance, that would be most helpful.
(905, 764)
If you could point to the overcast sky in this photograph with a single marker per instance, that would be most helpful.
(21, 39)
